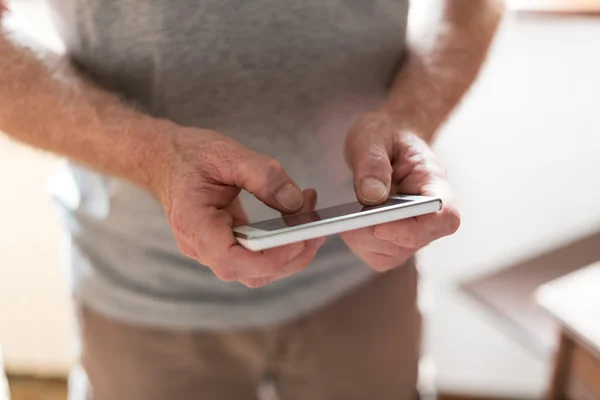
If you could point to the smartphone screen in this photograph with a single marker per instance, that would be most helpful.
(330, 213)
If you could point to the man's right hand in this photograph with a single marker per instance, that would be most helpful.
(196, 174)
(198, 183)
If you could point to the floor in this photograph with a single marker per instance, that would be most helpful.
(55, 389)
(37, 389)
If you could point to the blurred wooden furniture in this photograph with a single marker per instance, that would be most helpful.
(555, 6)
(510, 293)
(574, 302)
(4, 395)
(30, 388)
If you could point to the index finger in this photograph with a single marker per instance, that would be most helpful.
(418, 231)
(307, 213)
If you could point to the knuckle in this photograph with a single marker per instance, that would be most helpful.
(223, 270)
(221, 160)
(382, 263)
(178, 224)
(255, 283)
(266, 172)
(225, 274)
(431, 176)
(271, 168)
(187, 250)
(292, 268)
(220, 149)
(404, 237)
(376, 158)
(438, 169)
(249, 283)
(453, 219)
(375, 154)
(433, 167)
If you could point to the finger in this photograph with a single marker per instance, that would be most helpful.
(239, 263)
(307, 213)
(295, 266)
(369, 150)
(310, 199)
(436, 186)
(237, 212)
(267, 180)
(378, 254)
(311, 246)
(447, 220)
(415, 165)
(416, 232)
(436, 226)
(228, 162)
(209, 239)
(405, 233)
(367, 240)
(383, 262)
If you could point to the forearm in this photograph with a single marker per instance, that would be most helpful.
(46, 104)
(443, 59)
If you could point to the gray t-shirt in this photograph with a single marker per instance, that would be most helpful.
(286, 78)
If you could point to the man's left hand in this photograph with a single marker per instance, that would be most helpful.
(387, 160)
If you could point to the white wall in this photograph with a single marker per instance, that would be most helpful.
(35, 320)
(36, 327)
(524, 154)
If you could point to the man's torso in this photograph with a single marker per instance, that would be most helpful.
(286, 78)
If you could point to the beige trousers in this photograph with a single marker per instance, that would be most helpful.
(364, 346)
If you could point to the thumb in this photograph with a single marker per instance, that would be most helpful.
(238, 214)
(368, 153)
(310, 200)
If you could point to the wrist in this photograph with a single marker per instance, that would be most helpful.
(156, 155)
(174, 151)
(416, 102)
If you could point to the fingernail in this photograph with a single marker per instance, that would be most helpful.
(372, 189)
(385, 234)
(295, 250)
(289, 197)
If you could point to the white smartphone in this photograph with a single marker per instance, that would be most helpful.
(288, 229)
